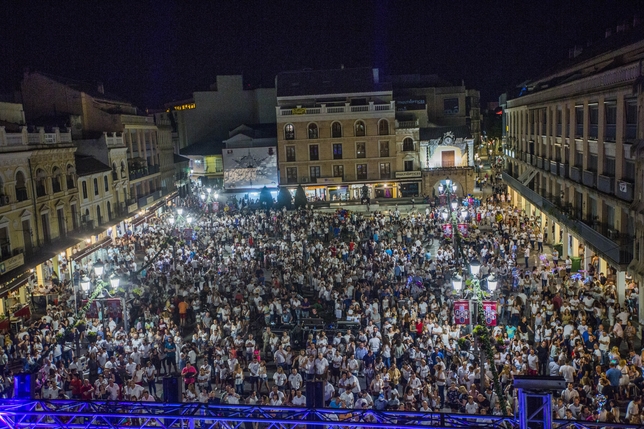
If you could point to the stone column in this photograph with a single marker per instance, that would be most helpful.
(601, 110)
(619, 140)
(586, 129)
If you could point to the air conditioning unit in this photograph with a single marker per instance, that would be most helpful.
(305, 179)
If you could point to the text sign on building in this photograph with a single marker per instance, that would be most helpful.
(416, 103)
(187, 106)
(407, 174)
(12, 263)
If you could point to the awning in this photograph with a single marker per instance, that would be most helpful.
(91, 249)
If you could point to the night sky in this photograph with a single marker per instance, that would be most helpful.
(158, 51)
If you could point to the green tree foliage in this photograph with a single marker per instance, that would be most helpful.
(284, 199)
(265, 198)
(300, 197)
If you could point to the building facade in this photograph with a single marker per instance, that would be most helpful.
(570, 139)
(336, 134)
(95, 192)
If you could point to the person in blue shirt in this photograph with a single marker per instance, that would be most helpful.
(511, 330)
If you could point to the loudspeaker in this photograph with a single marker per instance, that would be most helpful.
(314, 394)
(23, 386)
(172, 390)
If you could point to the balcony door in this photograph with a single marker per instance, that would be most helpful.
(447, 158)
(26, 236)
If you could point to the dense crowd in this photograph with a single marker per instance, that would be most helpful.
(226, 308)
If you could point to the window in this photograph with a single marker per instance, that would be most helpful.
(56, 181)
(313, 131)
(84, 185)
(611, 121)
(290, 153)
(361, 150)
(314, 152)
(629, 170)
(559, 129)
(106, 183)
(337, 151)
(450, 106)
(5, 244)
(579, 119)
(360, 129)
(95, 186)
(71, 174)
(384, 149)
(21, 187)
(609, 166)
(579, 159)
(361, 171)
(592, 162)
(336, 130)
(314, 173)
(41, 179)
(338, 171)
(291, 175)
(408, 145)
(383, 127)
(409, 165)
(385, 172)
(631, 119)
(289, 132)
(593, 121)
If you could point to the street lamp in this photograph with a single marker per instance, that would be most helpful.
(179, 211)
(457, 281)
(475, 267)
(85, 284)
(98, 269)
(171, 220)
(189, 219)
(444, 214)
(492, 283)
(203, 197)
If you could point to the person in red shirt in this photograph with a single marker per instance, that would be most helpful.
(86, 390)
(76, 385)
(419, 327)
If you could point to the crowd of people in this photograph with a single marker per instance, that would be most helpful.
(228, 306)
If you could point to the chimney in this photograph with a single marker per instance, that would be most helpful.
(609, 32)
(100, 88)
(376, 75)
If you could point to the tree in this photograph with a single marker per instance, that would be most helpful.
(284, 199)
(265, 198)
(300, 197)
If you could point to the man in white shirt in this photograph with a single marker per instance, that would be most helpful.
(295, 379)
(299, 400)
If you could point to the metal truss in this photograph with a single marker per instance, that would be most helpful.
(576, 424)
(19, 414)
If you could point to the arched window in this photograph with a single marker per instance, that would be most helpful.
(41, 182)
(57, 180)
(21, 187)
(95, 186)
(360, 129)
(106, 183)
(408, 145)
(123, 171)
(99, 218)
(115, 175)
(383, 127)
(289, 132)
(313, 131)
(71, 177)
(336, 130)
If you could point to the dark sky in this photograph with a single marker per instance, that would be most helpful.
(157, 51)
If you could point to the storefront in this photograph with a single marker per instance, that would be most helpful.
(410, 183)
(339, 193)
(315, 193)
(385, 190)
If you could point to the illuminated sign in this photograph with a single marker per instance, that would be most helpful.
(407, 174)
(299, 111)
(411, 104)
(12, 263)
(187, 106)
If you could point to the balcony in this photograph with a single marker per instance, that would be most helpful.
(407, 124)
(606, 184)
(554, 167)
(563, 170)
(137, 173)
(624, 190)
(539, 162)
(617, 250)
(575, 174)
(589, 178)
(346, 109)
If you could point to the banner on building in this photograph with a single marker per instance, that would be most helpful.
(447, 230)
(462, 312)
(489, 311)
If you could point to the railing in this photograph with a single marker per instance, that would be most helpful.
(25, 414)
(14, 140)
(407, 124)
(619, 254)
(323, 110)
(137, 120)
(21, 194)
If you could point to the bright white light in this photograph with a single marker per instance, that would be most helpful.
(491, 283)
(202, 196)
(448, 182)
(454, 188)
(458, 283)
(464, 213)
(84, 284)
(171, 220)
(189, 219)
(440, 188)
(98, 269)
(114, 281)
(444, 214)
(475, 267)
(454, 205)
(179, 212)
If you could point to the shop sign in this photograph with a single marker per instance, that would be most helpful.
(407, 174)
(405, 104)
(12, 263)
(447, 230)
(462, 312)
(489, 311)
(132, 208)
(328, 180)
(463, 229)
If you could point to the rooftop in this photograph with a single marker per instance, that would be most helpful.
(87, 165)
(255, 131)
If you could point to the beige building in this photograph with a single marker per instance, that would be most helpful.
(95, 191)
(571, 159)
(336, 133)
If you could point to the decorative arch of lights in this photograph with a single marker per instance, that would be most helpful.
(25, 414)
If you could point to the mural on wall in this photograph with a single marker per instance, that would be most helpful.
(248, 168)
